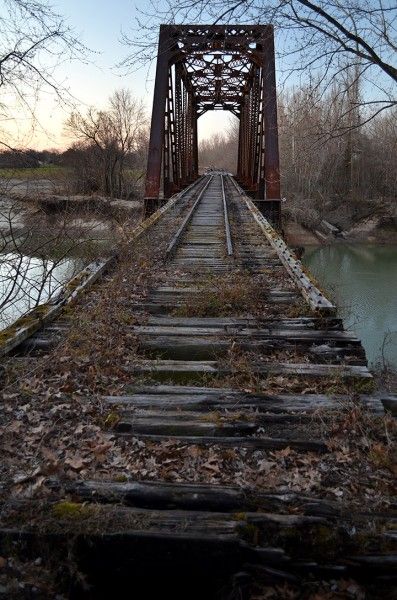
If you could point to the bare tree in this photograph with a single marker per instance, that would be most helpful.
(316, 40)
(34, 40)
(113, 135)
(220, 150)
(31, 271)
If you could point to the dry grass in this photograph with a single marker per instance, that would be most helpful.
(232, 294)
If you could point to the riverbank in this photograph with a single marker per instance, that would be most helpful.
(53, 224)
(367, 231)
(297, 235)
(326, 221)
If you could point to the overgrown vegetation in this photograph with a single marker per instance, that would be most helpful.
(330, 168)
(224, 295)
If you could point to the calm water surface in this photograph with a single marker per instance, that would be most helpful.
(362, 279)
(28, 281)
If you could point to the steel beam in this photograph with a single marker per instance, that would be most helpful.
(156, 141)
(272, 205)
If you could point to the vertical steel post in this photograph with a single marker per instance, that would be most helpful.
(195, 140)
(271, 206)
(153, 173)
(261, 157)
(239, 149)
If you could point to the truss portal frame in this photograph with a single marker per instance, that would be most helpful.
(214, 67)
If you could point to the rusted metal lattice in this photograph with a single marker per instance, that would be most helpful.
(218, 67)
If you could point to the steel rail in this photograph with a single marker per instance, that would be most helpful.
(173, 243)
(315, 298)
(229, 244)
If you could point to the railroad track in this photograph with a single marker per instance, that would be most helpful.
(234, 340)
(205, 231)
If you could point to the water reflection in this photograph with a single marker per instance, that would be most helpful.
(363, 281)
(28, 281)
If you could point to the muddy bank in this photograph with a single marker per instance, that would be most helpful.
(296, 235)
(58, 225)
(376, 229)
(27, 201)
(99, 205)
(311, 221)
(371, 230)
(52, 203)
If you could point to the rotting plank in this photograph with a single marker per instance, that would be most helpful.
(215, 367)
(256, 443)
(273, 404)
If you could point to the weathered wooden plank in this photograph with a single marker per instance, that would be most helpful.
(183, 291)
(215, 367)
(199, 496)
(319, 335)
(169, 306)
(170, 398)
(259, 443)
(203, 348)
(181, 390)
(224, 419)
(324, 323)
(208, 497)
(175, 428)
(149, 494)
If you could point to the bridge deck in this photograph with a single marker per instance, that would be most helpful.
(228, 423)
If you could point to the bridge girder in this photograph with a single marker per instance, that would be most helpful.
(214, 67)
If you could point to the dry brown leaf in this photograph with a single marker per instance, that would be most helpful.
(14, 426)
(76, 462)
(211, 467)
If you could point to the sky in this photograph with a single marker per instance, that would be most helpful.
(99, 25)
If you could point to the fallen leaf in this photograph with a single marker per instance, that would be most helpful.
(211, 467)
(76, 462)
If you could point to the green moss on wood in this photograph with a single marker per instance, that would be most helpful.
(71, 510)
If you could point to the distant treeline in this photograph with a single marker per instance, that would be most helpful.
(330, 151)
(28, 159)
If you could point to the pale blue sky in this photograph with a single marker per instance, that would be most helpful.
(99, 24)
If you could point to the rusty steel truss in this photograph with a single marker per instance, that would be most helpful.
(215, 67)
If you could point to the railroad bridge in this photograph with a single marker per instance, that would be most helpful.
(229, 459)
(218, 67)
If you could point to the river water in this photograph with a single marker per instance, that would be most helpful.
(362, 279)
(28, 281)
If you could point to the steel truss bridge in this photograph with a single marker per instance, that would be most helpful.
(214, 67)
